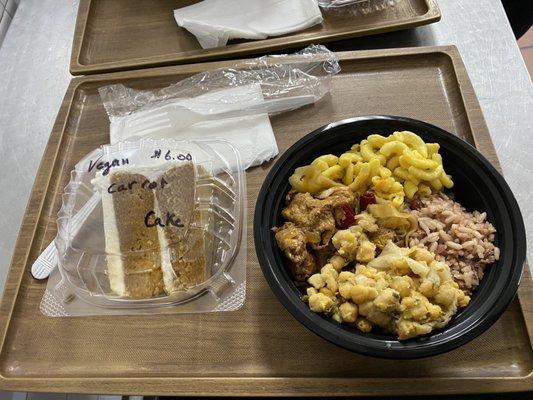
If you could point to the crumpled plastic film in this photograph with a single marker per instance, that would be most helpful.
(352, 7)
(308, 75)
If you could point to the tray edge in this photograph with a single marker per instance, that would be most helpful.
(78, 68)
(249, 386)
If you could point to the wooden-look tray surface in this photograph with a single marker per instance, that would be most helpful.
(127, 34)
(260, 349)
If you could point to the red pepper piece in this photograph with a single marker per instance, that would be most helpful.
(349, 217)
(366, 199)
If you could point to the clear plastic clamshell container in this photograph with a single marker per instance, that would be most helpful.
(152, 223)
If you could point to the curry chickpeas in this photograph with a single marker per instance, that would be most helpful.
(404, 291)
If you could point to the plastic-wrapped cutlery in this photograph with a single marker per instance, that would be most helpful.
(47, 261)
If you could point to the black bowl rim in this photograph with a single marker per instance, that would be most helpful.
(328, 331)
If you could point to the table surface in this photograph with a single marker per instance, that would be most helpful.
(34, 59)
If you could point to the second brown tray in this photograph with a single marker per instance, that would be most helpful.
(128, 34)
(259, 349)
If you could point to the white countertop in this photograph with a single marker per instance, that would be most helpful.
(34, 75)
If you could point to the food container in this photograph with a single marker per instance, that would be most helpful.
(150, 225)
(478, 186)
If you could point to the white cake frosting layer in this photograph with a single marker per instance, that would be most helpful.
(169, 276)
(115, 266)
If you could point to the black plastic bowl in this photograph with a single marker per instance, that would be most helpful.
(478, 186)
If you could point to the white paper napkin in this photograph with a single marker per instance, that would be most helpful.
(252, 135)
(214, 22)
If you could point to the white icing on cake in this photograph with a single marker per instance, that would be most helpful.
(115, 266)
(169, 275)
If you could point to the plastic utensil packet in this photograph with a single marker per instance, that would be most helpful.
(162, 231)
(231, 103)
(252, 135)
(305, 75)
(352, 7)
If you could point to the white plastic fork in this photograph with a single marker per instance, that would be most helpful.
(47, 261)
(172, 116)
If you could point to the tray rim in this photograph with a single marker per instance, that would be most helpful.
(261, 386)
(234, 50)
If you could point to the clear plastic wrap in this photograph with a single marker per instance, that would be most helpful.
(191, 107)
(352, 7)
(309, 75)
(151, 226)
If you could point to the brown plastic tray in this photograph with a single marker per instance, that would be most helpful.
(260, 349)
(128, 34)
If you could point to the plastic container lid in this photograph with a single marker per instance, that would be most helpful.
(151, 222)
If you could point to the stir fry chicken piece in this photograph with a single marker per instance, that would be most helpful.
(310, 223)
(316, 216)
(309, 214)
(323, 255)
(292, 241)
